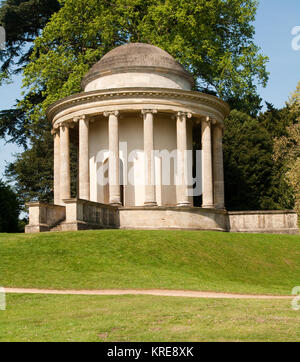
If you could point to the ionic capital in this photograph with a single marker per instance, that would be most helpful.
(145, 111)
(54, 131)
(111, 113)
(184, 115)
(80, 118)
(65, 124)
(209, 120)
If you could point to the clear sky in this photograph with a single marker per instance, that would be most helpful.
(274, 23)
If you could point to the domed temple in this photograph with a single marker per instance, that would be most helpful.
(135, 126)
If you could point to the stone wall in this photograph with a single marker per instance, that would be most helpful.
(189, 218)
(81, 215)
(43, 217)
(278, 222)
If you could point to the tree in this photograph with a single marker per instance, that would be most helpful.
(212, 39)
(32, 171)
(16, 126)
(253, 180)
(9, 209)
(287, 149)
(23, 21)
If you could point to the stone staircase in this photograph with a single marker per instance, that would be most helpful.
(57, 227)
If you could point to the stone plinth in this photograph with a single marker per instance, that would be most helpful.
(189, 218)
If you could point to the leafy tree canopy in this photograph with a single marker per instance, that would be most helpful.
(212, 39)
(287, 148)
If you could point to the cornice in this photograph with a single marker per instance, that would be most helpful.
(136, 93)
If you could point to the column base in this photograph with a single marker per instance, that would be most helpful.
(219, 207)
(115, 204)
(208, 207)
(183, 204)
(150, 203)
(81, 196)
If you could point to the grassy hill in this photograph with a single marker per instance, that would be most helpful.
(268, 264)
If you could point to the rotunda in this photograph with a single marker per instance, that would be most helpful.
(138, 105)
(133, 132)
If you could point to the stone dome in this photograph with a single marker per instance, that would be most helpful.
(137, 65)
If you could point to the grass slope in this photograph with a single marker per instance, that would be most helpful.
(151, 259)
(145, 318)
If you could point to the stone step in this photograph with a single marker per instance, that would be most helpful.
(57, 228)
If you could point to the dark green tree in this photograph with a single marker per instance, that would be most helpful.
(23, 21)
(9, 209)
(32, 171)
(253, 180)
(275, 121)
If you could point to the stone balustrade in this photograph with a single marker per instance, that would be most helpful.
(84, 214)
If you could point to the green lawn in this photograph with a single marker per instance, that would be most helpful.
(146, 318)
(151, 259)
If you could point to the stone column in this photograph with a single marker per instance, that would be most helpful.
(56, 181)
(84, 177)
(65, 176)
(182, 167)
(218, 172)
(207, 172)
(149, 162)
(113, 162)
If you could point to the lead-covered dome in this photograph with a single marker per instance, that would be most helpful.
(137, 65)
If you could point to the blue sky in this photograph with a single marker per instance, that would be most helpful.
(274, 23)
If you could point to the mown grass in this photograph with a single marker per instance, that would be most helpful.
(146, 318)
(213, 261)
